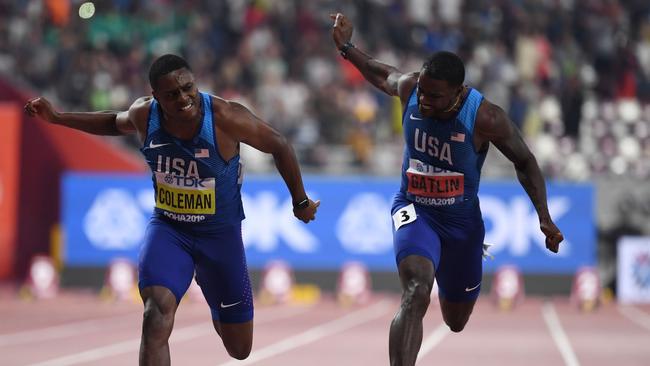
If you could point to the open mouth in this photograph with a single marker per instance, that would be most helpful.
(187, 107)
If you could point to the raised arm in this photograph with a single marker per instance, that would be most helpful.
(385, 77)
(493, 125)
(243, 126)
(108, 123)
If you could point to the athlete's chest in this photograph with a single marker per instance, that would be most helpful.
(165, 154)
(435, 141)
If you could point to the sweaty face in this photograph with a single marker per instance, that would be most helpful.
(435, 96)
(178, 95)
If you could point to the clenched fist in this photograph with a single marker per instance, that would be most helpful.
(342, 29)
(308, 213)
(42, 108)
(553, 236)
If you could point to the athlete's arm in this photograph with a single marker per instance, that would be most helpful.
(243, 126)
(493, 125)
(108, 123)
(385, 77)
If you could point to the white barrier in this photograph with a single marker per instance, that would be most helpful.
(633, 270)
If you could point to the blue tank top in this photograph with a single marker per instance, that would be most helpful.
(441, 168)
(194, 186)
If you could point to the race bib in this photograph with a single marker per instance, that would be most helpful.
(434, 186)
(185, 195)
(404, 216)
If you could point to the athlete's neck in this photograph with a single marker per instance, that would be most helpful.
(183, 130)
(454, 107)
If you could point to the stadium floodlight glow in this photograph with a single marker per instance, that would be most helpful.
(86, 10)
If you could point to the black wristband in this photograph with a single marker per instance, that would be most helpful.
(345, 48)
(302, 204)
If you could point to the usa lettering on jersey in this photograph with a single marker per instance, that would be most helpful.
(431, 146)
(177, 166)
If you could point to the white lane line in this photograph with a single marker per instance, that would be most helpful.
(178, 335)
(635, 315)
(63, 330)
(313, 334)
(559, 336)
(205, 328)
(433, 340)
(93, 354)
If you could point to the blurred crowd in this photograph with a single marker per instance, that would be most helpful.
(574, 75)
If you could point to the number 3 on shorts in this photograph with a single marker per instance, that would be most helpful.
(404, 215)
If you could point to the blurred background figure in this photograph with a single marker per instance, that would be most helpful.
(557, 67)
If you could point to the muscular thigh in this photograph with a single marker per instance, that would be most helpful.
(416, 236)
(165, 259)
(222, 274)
(461, 263)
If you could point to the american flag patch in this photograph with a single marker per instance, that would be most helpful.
(201, 153)
(458, 137)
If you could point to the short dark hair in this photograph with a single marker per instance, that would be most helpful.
(445, 65)
(165, 64)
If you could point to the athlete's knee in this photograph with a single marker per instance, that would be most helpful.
(240, 350)
(456, 325)
(456, 319)
(238, 347)
(157, 321)
(417, 296)
(236, 338)
(416, 274)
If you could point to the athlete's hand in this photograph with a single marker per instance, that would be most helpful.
(308, 213)
(553, 235)
(342, 29)
(42, 108)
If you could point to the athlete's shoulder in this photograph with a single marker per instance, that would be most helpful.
(227, 110)
(141, 105)
(142, 102)
(408, 81)
(139, 109)
(410, 77)
(219, 105)
(405, 85)
(490, 118)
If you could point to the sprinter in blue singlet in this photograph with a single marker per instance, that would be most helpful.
(437, 224)
(190, 141)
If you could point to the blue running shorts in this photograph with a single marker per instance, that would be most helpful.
(453, 244)
(170, 257)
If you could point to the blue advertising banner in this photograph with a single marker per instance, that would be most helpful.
(104, 216)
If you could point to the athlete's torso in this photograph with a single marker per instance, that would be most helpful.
(194, 186)
(441, 168)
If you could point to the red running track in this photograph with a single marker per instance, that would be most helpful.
(80, 329)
